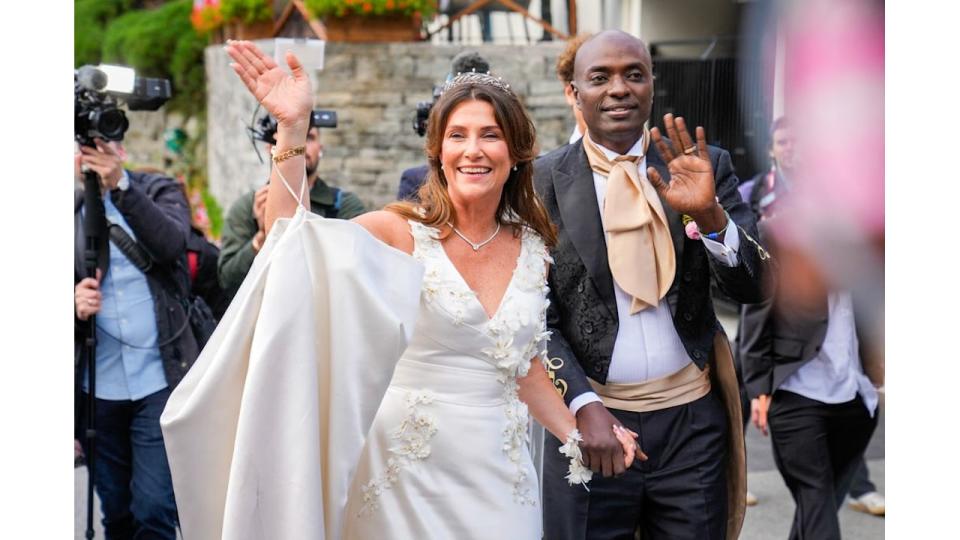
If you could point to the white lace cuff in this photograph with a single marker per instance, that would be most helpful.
(578, 473)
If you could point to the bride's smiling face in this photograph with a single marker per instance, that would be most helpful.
(474, 153)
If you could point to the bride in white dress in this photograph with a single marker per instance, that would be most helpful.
(446, 456)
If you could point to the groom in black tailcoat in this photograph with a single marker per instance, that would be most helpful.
(635, 341)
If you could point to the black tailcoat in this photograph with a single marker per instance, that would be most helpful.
(583, 311)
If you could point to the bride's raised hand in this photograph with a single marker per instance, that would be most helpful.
(288, 98)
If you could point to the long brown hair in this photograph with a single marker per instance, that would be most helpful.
(519, 201)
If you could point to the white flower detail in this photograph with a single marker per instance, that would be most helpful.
(512, 356)
(517, 333)
(439, 289)
(577, 472)
(413, 435)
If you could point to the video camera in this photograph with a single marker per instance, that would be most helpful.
(266, 127)
(97, 94)
(464, 62)
(423, 112)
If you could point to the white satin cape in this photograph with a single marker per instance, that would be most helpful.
(264, 432)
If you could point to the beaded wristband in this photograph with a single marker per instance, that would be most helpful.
(715, 235)
(287, 154)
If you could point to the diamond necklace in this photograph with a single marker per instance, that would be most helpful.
(477, 246)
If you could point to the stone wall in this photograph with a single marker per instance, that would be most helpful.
(374, 88)
(144, 141)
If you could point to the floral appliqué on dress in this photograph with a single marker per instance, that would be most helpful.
(413, 444)
(512, 359)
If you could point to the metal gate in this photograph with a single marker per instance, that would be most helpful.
(713, 93)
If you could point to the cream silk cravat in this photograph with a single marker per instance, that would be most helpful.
(639, 246)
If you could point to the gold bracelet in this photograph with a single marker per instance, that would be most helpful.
(287, 154)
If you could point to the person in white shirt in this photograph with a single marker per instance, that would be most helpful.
(812, 382)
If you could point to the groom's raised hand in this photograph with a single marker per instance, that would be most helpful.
(691, 189)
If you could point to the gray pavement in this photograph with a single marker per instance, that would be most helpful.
(771, 518)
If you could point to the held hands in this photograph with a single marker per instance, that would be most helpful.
(691, 189)
(87, 297)
(628, 440)
(289, 98)
(605, 450)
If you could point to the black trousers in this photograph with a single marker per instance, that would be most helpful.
(861, 483)
(816, 446)
(679, 493)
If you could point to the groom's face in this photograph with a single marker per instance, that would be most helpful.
(613, 82)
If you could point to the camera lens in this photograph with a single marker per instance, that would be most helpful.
(110, 123)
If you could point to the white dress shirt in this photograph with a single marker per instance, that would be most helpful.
(647, 345)
(835, 375)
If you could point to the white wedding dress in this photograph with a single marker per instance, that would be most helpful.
(447, 456)
(269, 434)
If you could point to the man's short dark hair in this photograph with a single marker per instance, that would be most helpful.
(779, 123)
(468, 61)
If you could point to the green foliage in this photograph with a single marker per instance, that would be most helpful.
(161, 42)
(158, 42)
(340, 8)
(246, 11)
(214, 212)
(90, 18)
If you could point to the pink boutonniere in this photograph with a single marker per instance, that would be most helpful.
(690, 227)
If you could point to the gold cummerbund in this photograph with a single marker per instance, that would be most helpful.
(689, 384)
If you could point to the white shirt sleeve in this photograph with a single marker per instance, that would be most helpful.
(726, 252)
(583, 399)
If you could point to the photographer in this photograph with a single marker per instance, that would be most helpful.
(243, 229)
(143, 344)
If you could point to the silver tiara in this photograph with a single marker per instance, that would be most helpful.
(472, 77)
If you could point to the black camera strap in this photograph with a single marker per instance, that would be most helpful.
(144, 262)
(134, 251)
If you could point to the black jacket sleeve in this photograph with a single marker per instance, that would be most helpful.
(160, 220)
(742, 282)
(755, 350)
(567, 373)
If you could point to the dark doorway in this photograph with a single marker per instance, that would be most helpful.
(713, 94)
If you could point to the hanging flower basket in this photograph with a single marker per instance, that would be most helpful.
(250, 31)
(206, 15)
(372, 20)
(373, 28)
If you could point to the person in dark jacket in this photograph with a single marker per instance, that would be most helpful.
(144, 345)
(410, 181)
